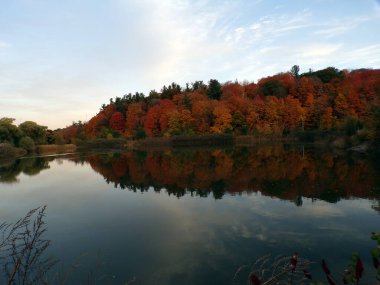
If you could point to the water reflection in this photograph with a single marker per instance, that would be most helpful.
(28, 166)
(285, 172)
(194, 240)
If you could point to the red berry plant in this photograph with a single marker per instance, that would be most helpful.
(295, 270)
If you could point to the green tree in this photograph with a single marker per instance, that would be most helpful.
(295, 71)
(214, 90)
(326, 75)
(273, 87)
(36, 132)
(27, 143)
(9, 132)
(197, 85)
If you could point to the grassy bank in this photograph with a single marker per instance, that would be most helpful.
(254, 140)
(156, 142)
(10, 153)
(103, 144)
(56, 148)
(185, 141)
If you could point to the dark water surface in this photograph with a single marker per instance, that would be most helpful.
(195, 216)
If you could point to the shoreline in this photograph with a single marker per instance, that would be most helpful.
(9, 153)
(183, 142)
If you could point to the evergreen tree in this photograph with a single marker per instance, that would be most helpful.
(214, 90)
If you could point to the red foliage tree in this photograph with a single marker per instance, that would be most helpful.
(117, 122)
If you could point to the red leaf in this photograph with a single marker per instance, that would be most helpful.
(331, 280)
(359, 268)
(293, 262)
(325, 268)
(254, 279)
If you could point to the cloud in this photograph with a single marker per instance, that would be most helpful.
(368, 56)
(334, 31)
(186, 37)
(339, 27)
(323, 210)
(319, 50)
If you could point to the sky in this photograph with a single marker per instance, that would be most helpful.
(61, 60)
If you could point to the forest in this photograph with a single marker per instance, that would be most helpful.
(328, 100)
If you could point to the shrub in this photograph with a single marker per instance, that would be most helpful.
(351, 125)
(27, 143)
(140, 133)
(7, 150)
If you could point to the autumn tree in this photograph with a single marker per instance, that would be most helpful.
(180, 122)
(232, 89)
(222, 119)
(327, 119)
(253, 118)
(152, 124)
(135, 118)
(203, 115)
(293, 113)
(322, 99)
(273, 115)
(99, 121)
(117, 122)
(341, 105)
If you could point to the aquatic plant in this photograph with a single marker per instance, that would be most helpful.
(277, 270)
(22, 248)
(294, 270)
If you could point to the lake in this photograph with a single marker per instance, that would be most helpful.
(194, 216)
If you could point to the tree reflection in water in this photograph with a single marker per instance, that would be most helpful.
(288, 173)
(29, 166)
(282, 171)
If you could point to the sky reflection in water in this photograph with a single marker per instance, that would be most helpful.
(275, 200)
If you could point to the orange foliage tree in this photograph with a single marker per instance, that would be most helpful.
(322, 100)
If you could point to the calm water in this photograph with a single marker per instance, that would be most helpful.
(195, 216)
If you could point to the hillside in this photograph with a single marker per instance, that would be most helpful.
(328, 100)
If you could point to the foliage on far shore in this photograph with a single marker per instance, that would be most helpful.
(325, 101)
(8, 151)
(16, 141)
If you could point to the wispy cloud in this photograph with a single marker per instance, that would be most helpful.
(336, 27)
(368, 56)
(319, 50)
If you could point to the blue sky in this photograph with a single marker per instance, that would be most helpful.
(61, 60)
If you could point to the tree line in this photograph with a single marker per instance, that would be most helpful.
(26, 135)
(325, 100)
